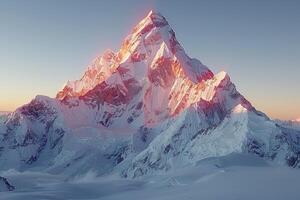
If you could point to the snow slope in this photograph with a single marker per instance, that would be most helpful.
(235, 176)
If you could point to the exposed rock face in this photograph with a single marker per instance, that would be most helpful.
(5, 185)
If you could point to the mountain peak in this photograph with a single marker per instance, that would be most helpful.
(147, 108)
(153, 47)
(157, 18)
(154, 13)
(152, 20)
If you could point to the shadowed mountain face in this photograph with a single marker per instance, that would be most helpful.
(145, 109)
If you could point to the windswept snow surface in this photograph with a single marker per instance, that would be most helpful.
(235, 176)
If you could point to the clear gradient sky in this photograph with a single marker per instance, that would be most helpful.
(45, 43)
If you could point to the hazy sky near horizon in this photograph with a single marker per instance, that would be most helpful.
(45, 43)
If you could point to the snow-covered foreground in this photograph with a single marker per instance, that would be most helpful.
(231, 177)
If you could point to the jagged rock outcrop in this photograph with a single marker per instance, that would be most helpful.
(5, 185)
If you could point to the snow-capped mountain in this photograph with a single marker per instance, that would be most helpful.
(145, 109)
(4, 113)
(296, 120)
(295, 124)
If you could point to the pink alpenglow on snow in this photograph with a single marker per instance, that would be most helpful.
(150, 59)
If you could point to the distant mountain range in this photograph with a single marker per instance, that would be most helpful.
(4, 112)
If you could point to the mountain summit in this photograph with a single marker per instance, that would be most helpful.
(150, 42)
(145, 109)
(152, 61)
